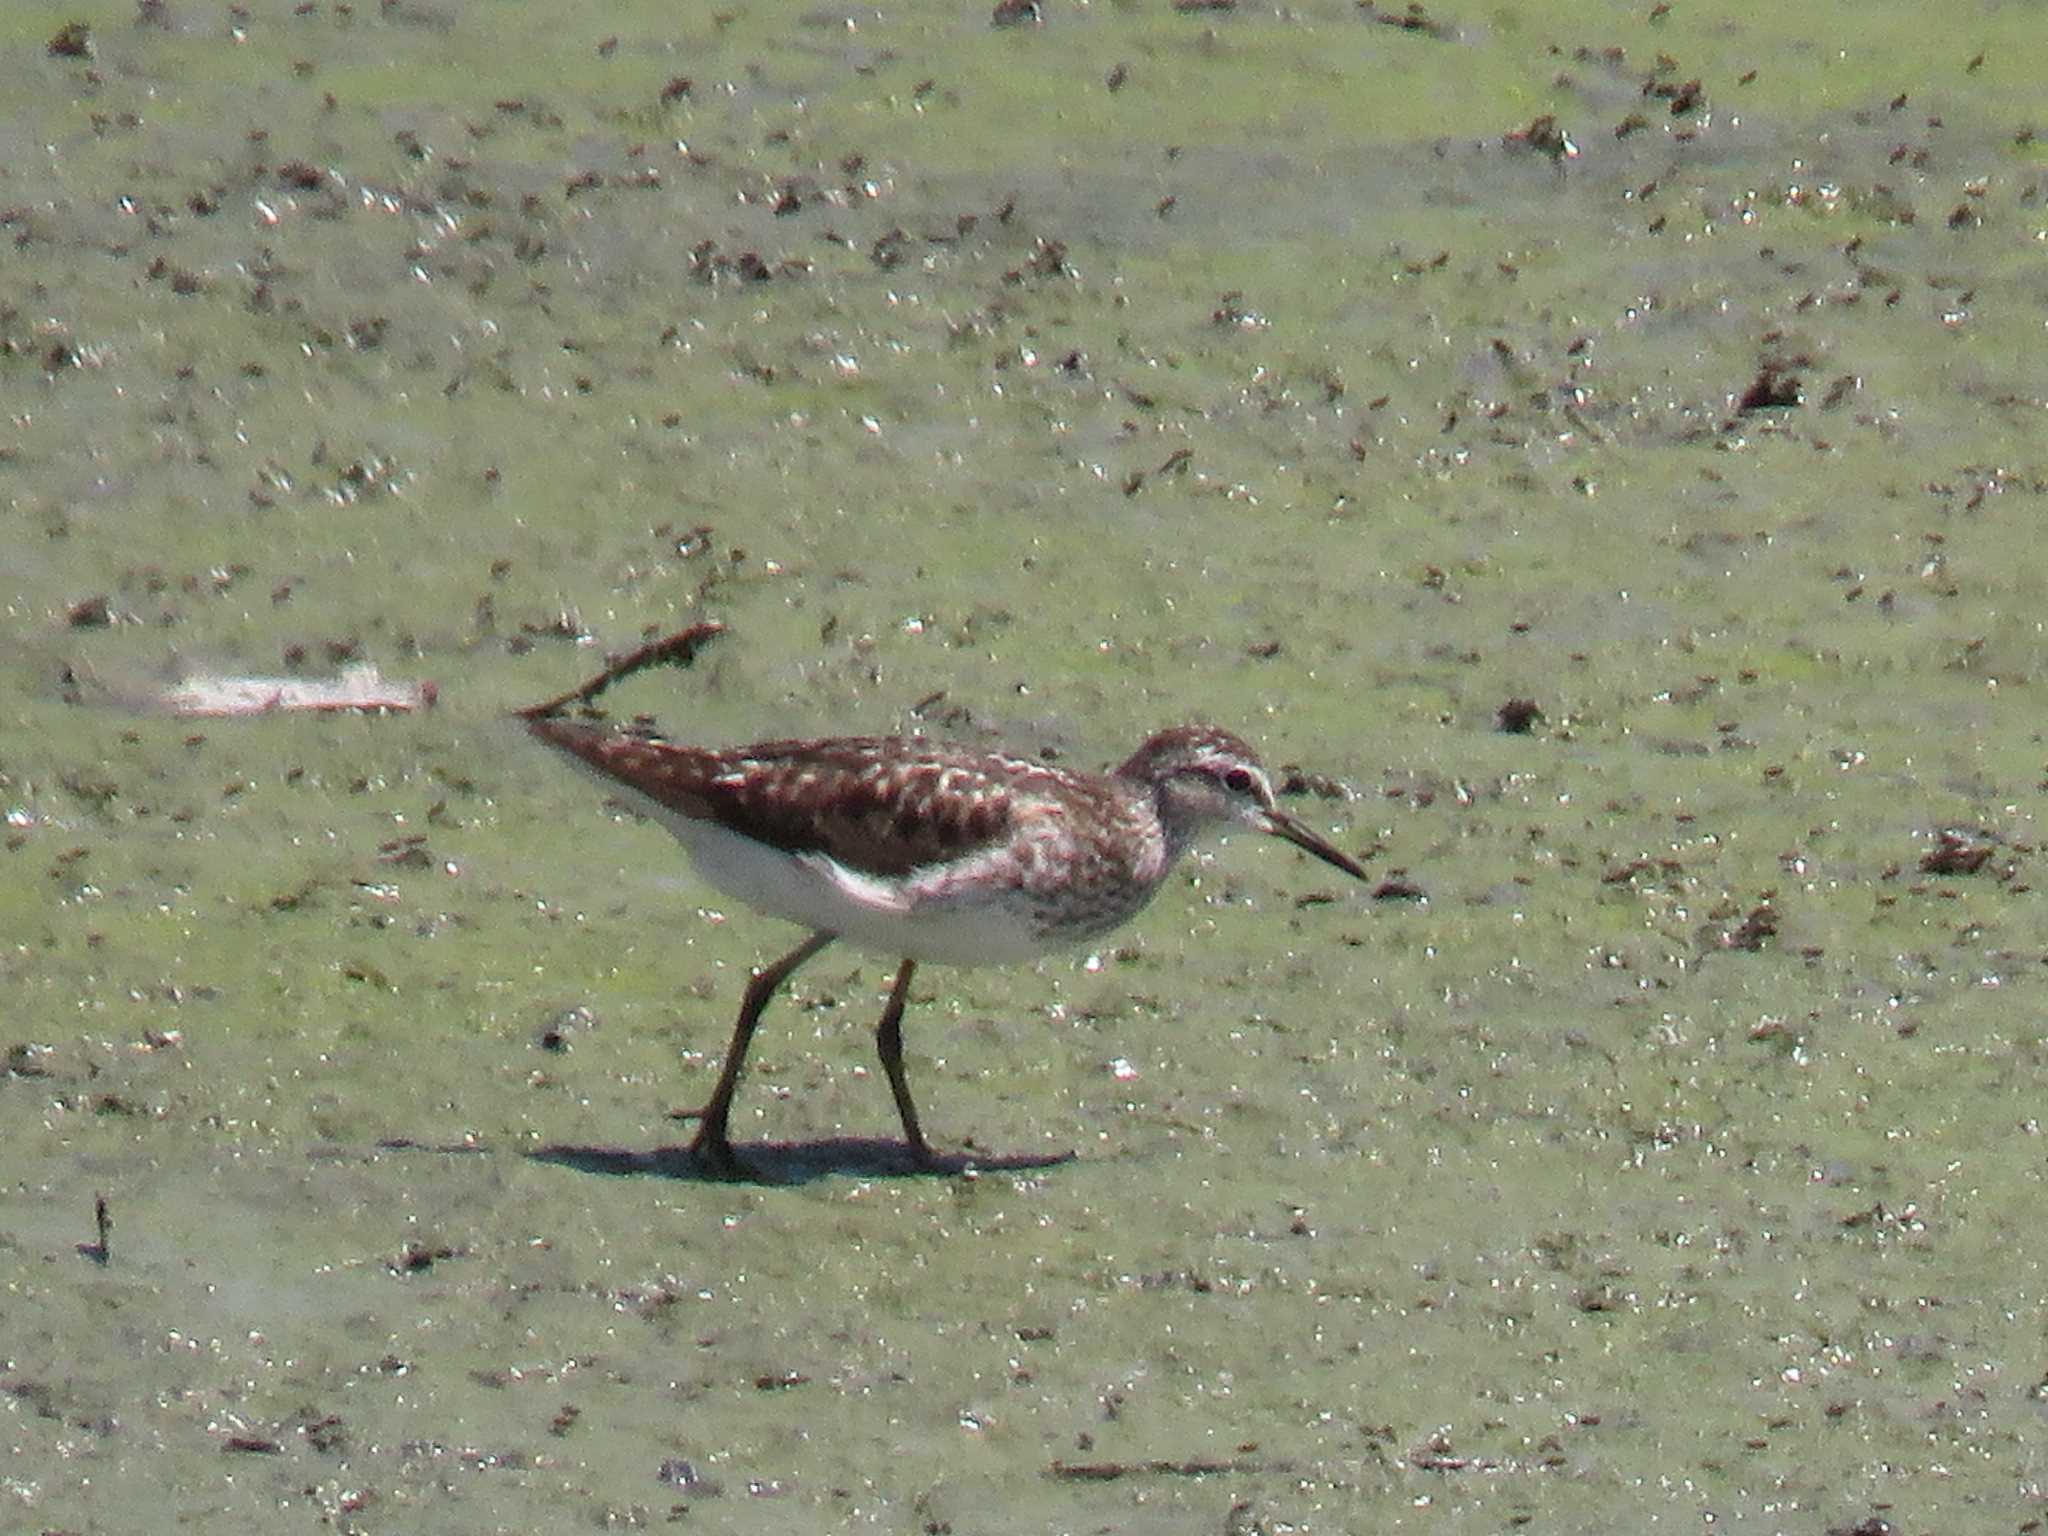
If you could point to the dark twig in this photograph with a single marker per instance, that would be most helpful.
(1162, 1466)
(103, 1221)
(676, 650)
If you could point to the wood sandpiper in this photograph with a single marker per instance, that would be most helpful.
(909, 849)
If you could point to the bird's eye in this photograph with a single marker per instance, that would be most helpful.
(1238, 781)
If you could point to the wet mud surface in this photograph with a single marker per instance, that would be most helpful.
(1594, 452)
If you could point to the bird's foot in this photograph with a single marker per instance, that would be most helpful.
(714, 1154)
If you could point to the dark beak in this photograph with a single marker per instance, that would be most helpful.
(1282, 825)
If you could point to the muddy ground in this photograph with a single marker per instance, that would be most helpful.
(1657, 1145)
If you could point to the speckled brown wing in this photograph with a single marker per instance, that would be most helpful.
(860, 800)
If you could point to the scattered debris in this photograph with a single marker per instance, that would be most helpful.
(1750, 933)
(1775, 388)
(1517, 717)
(1959, 851)
(1415, 19)
(73, 40)
(1546, 136)
(559, 1033)
(416, 1256)
(1296, 780)
(679, 1473)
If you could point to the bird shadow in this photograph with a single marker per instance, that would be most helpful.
(790, 1162)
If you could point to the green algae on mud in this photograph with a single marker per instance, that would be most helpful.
(1273, 386)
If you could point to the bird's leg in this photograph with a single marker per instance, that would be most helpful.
(889, 1040)
(713, 1145)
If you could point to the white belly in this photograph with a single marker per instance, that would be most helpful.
(825, 897)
